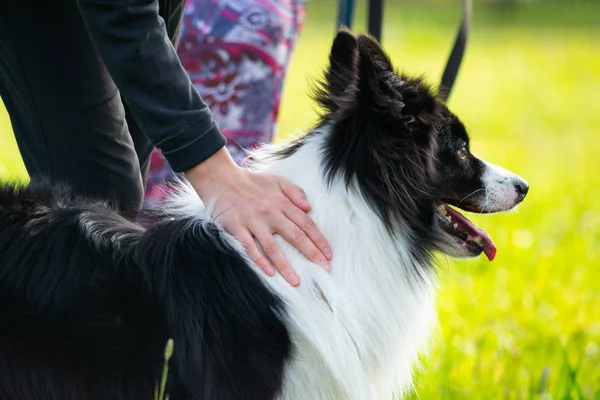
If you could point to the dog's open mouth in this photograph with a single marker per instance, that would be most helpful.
(466, 234)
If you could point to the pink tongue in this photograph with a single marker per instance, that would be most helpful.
(489, 248)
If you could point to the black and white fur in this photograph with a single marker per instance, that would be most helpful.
(89, 299)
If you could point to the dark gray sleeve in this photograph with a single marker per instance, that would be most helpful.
(132, 40)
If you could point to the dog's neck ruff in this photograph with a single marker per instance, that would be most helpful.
(357, 329)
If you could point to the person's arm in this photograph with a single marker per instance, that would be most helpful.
(131, 38)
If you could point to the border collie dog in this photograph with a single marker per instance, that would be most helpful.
(89, 299)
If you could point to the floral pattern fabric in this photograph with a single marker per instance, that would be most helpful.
(236, 52)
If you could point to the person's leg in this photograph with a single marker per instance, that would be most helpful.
(65, 110)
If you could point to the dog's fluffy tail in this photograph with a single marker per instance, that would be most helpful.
(88, 300)
(76, 317)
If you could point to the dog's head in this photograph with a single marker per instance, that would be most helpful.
(407, 153)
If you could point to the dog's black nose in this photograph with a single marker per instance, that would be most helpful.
(522, 188)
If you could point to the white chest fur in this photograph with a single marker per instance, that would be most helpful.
(358, 329)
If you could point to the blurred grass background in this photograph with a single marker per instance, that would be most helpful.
(526, 326)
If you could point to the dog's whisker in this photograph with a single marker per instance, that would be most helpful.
(471, 194)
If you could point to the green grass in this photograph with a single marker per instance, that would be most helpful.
(528, 324)
(11, 164)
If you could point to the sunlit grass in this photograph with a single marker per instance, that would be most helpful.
(528, 324)
(10, 160)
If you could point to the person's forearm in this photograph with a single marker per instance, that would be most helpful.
(131, 39)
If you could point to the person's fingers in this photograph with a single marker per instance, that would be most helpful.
(303, 234)
(298, 197)
(247, 241)
(294, 193)
(273, 252)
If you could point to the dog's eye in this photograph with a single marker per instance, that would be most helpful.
(462, 153)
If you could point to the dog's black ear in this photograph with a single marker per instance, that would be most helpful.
(379, 87)
(343, 54)
(373, 59)
(406, 107)
(339, 89)
(382, 90)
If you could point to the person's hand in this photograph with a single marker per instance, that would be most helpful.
(251, 205)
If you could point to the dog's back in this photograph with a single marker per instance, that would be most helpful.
(88, 301)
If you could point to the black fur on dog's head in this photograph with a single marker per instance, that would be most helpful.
(382, 135)
(392, 138)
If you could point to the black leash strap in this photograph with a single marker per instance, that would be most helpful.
(457, 53)
(346, 15)
(375, 18)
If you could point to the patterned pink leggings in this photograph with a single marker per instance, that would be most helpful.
(236, 53)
